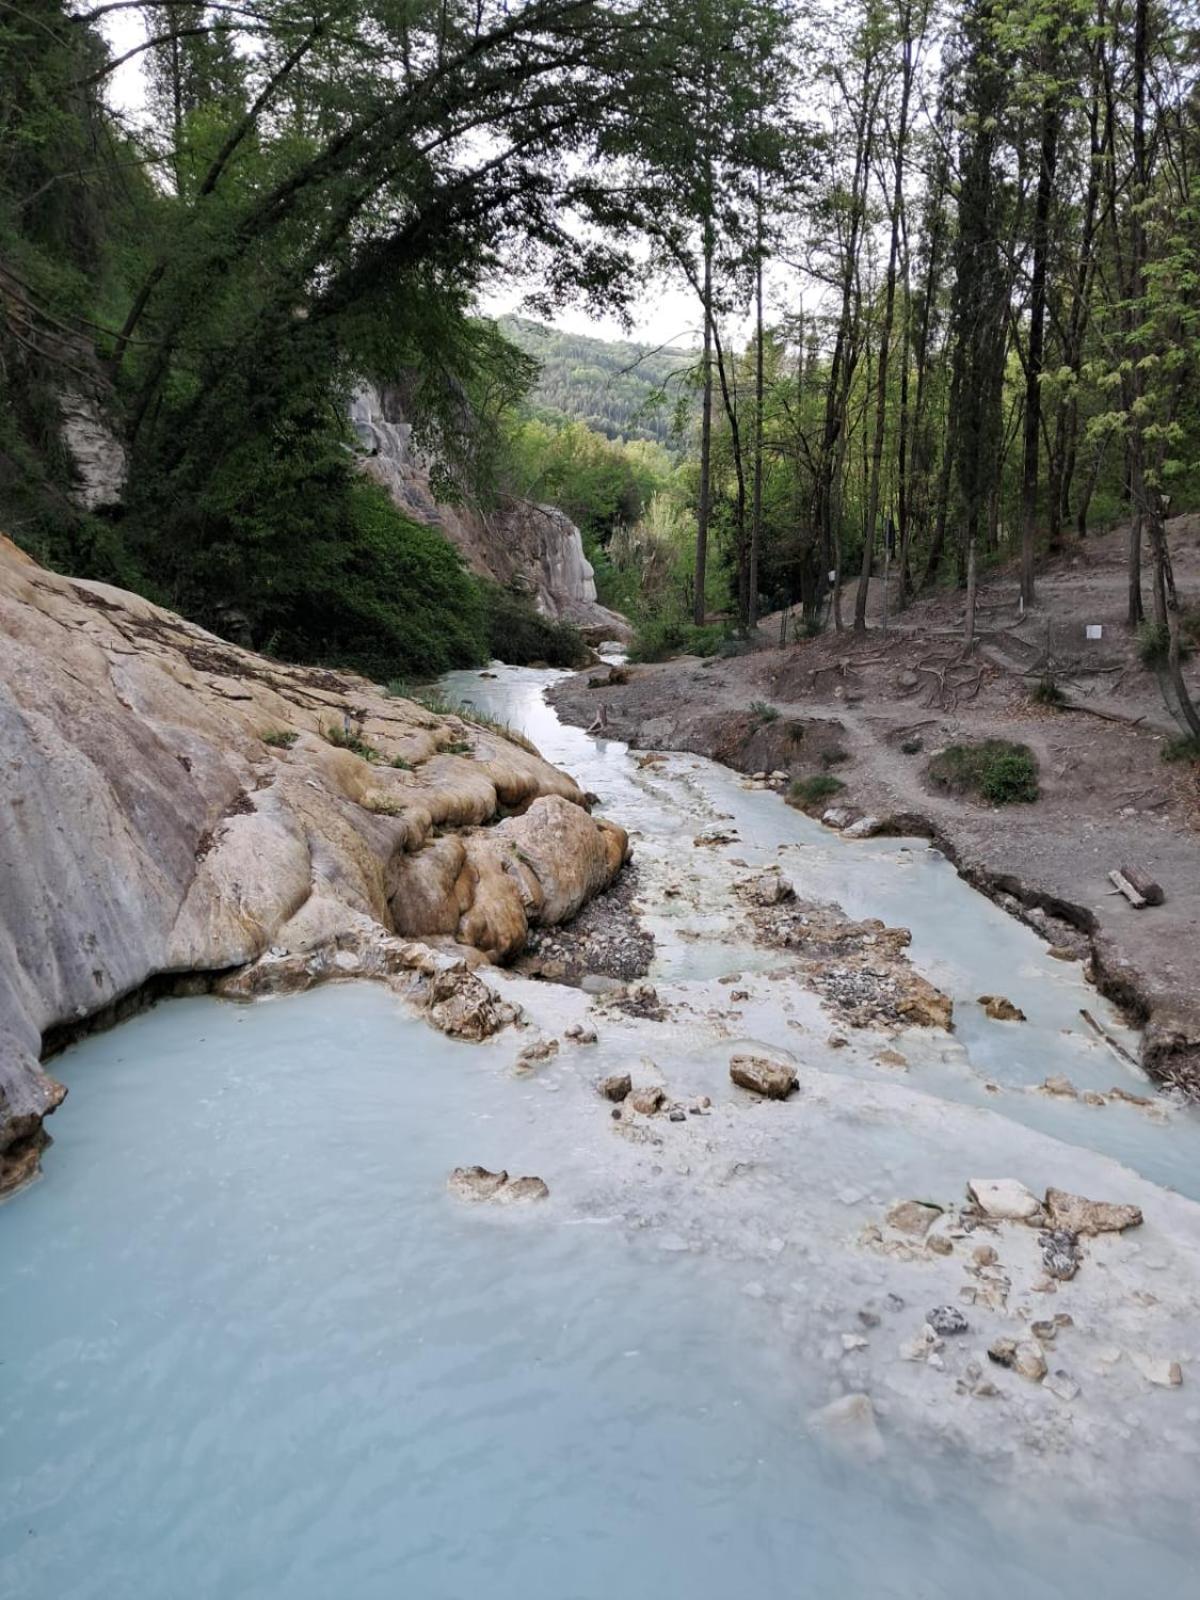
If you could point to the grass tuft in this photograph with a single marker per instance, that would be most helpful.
(995, 770)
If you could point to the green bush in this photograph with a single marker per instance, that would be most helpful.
(763, 713)
(1047, 693)
(1154, 643)
(280, 738)
(995, 770)
(1185, 748)
(519, 634)
(806, 792)
(335, 734)
(659, 638)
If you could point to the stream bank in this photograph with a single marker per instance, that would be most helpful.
(850, 708)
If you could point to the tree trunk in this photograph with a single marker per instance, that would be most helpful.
(704, 504)
(1037, 335)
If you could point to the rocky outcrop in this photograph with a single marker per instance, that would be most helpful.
(517, 543)
(173, 804)
(97, 454)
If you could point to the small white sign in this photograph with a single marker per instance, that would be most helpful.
(1095, 630)
(833, 577)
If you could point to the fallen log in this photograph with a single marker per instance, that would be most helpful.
(1136, 900)
(1150, 891)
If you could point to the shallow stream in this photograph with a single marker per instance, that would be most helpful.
(249, 1346)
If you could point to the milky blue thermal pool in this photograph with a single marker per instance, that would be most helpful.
(251, 1347)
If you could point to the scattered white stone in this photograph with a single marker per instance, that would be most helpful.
(837, 817)
(1004, 1199)
(853, 1341)
(864, 828)
(1062, 1384)
(1165, 1374)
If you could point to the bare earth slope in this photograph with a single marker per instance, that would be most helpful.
(871, 709)
(149, 828)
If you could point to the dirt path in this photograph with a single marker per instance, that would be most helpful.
(871, 709)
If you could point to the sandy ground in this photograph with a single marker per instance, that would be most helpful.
(846, 704)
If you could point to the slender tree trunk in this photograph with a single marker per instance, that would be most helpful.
(1037, 335)
(885, 336)
(759, 388)
(705, 498)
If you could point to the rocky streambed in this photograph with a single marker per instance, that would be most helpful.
(751, 1176)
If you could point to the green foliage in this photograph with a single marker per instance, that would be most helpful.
(763, 713)
(658, 638)
(996, 770)
(347, 739)
(280, 738)
(1185, 748)
(519, 634)
(400, 764)
(911, 747)
(834, 757)
(614, 388)
(807, 792)
(1046, 692)
(1154, 644)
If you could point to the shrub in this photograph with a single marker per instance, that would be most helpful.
(519, 634)
(344, 740)
(400, 764)
(1047, 693)
(458, 747)
(806, 792)
(658, 638)
(280, 738)
(995, 770)
(385, 596)
(763, 713)
(1154, 644)
(911, 747)
(834, 758)
(1185, 748)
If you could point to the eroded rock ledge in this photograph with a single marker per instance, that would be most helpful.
(174, 804)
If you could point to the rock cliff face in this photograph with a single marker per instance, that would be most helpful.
(531, 546)
(172, 804)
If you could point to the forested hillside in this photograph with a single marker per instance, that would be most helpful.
(616, 387)
(965, 239)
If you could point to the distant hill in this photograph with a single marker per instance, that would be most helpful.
(622, 390)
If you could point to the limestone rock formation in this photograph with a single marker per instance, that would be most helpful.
(174, 805)
(518, 543)
(774, 1080)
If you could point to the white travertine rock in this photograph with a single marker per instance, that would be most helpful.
(151, 830)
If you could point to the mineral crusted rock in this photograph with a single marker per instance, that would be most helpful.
(1163, 1373)
(1004, 1199)
(477, 1183)
(947, 1320)
(1023, 1356)
(616, 1086)
(1001, 1009)
(647, 1100)
(913, 1217)
(769, 888)
(774, 1080)
(1078, 1215)
(864, 828)
(210, 820)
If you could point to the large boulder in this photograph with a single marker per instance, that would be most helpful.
(175, 804)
